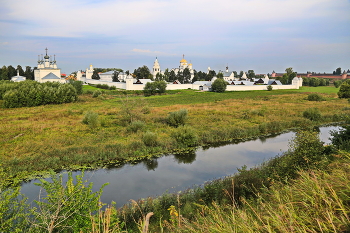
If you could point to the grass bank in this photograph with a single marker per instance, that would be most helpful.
(52, 137)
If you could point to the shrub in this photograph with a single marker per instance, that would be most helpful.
(112, 88)
(341, 139)
(185, 135)
(314, 97)
(136, 125)
(269, 88)
(150, 139)
(78, 85)
(337, 83)
(96, 93)
(91, 119)
(312, 114)
(219, 85)
(177, 118)
(344, 90)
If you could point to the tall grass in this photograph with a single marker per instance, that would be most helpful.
(317, 201)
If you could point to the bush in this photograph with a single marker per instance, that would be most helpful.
(312, 114)
(150, 139)
(341, 139)
(91, 119)
(337, 83)
(344, 90)
(78, 85)
(177, 118)
(112, 88)
(269, 88)
(185, 135)
(219, 85)
(96, 93)
(31, 93)
(314, 97)
(151, 88)
(136, 126)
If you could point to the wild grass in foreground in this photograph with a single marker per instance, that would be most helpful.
(317, 201)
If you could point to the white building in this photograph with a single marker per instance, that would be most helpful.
(47, 70)
(18, 78)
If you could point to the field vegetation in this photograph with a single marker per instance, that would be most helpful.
(118, 126)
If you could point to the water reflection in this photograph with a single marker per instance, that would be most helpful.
(173, 173)
(187, 157)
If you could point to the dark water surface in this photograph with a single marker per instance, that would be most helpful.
(174, 173)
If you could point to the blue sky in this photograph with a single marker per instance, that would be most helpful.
(263, 35)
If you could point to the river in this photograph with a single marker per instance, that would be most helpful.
(173, 173)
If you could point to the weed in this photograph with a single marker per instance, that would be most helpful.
(91, 119)
(312, 114)
(177, 118)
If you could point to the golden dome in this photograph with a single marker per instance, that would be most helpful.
(183, 61)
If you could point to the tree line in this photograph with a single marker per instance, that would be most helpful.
(7, 72)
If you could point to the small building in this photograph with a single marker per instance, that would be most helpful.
(18, 78)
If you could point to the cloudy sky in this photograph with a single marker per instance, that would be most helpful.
(263, 35)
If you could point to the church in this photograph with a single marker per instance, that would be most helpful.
(183, 65)
(47, 70)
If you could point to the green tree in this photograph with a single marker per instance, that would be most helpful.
(11, 72)
(338, 71)
(115, 76)
(180, 77)
(186, 75)
(95, 75)
(337, 83)
(166, 75)
(251, 74)
(210, 75)
(172, 76)
(28, 73)
(20, 69)
(4, 73)
(344, 90)
(219, 85)
(290, 74)
(220, 75)
(149, 89)
(142, 72)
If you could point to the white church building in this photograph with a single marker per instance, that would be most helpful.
(47, 70)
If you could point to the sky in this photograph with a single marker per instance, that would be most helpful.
(263, 35)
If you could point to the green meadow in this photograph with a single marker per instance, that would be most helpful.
(36, 140)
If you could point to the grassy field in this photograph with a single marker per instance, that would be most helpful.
(53, 137)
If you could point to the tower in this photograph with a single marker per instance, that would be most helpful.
(156, 68)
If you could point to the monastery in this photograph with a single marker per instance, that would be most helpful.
(47, 70)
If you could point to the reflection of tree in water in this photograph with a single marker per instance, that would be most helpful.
(151, 164)
(262, 139)
(186, 157)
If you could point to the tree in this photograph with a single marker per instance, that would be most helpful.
(159, 77)
(172, 76)
(344, 90)
(338, 71)
(142, 72)
(180, 77)
(4, 73)
(95, 75)
(115, 76)
(210, 75)
(28, 73)
(251, 74)
(219, 85)
(21, 72)
(337, 83)
(11, 72)
(166, 75)
(290, 74)
(187, 75)
(220, 75)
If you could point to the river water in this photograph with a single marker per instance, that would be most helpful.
(173, 173)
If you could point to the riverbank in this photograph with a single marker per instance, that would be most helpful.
(48, 138)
